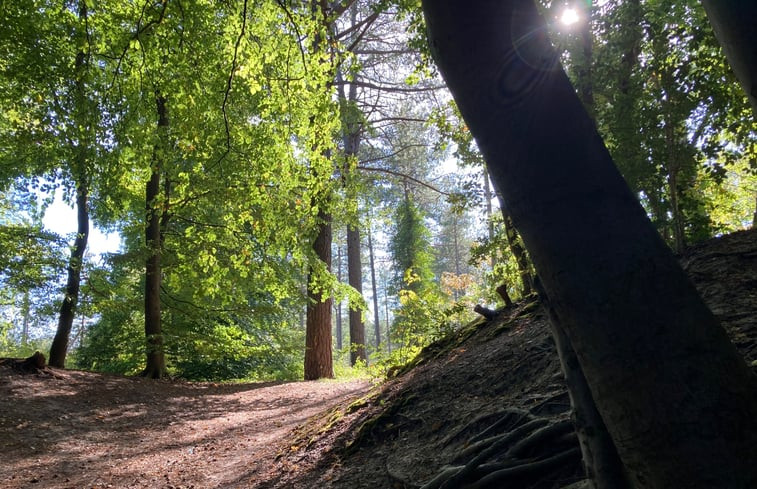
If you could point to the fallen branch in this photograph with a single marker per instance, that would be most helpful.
(31, 365)
(485, 312)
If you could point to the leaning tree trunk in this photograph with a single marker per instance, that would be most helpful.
(734, 25)
(82, 149)
(318, 361)
(156, 364)
(59, 347)
(678, 400)
(603, 466)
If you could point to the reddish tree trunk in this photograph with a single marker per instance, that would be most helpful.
(318, 361)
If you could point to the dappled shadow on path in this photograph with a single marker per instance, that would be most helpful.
(82, 429)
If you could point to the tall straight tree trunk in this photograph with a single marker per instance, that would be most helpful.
(351, 129)
(376, 322)
(678, 400)
(355, 274)
(27, 319)
(82, 149)
(338, 305)
(318, 360)
(673, 167)
(386, 317)
(156, 364)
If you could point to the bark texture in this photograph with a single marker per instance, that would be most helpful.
(156, 364)
(318, 361)
(678, 400)
(59, 347)
(82, 151)
(355, 275)
(374, 287)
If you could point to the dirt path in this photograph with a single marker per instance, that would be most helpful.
(85, 430)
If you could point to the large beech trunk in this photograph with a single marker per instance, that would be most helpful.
(678, 400)
(156, 364)
(318, 361)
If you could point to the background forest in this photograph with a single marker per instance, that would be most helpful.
(293, 186)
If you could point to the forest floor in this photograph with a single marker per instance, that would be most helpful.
(68, 429)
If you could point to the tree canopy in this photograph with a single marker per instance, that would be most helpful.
(239, 128)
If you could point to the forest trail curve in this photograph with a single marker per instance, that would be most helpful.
(78, 429)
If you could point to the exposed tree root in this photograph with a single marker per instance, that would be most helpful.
(504, 420)
(518, 447)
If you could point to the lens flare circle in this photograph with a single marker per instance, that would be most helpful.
(569, 16)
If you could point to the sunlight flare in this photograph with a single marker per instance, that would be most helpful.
(569, 16)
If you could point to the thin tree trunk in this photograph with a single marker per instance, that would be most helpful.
(677, 398)
(27, 319)
(355, 273)
(679, 239)
(386, 317)
(338, 305)
(524, 267)
(318, 360)
(376, 323)
(156, 364)
(59, 347)
(489, 215)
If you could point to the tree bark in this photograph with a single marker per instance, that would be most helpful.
(82, 149)
(489, 213)
(351, 129)
(376, 322)
(59, 347)
(734, 25)
(338, 304)
(318, 361)
(524, 268)
(603, 466)
(355, 272)
(678, 400)
(156, 364)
